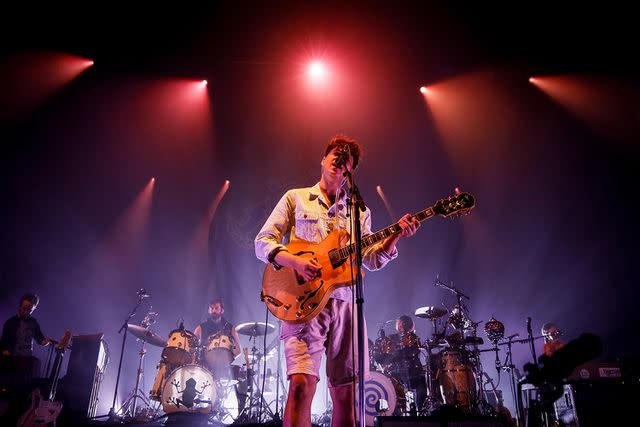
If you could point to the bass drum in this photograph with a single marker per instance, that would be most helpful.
(457, 380)
(189, 389)
(383, 395)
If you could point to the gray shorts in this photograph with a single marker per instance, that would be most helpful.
(332, 331)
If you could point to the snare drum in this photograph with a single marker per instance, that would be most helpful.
(457, 380)
(384, 350)
(181, 348)
(189, 389)
(219, 355)
(383, 395)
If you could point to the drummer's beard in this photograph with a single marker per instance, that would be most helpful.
(216, 317)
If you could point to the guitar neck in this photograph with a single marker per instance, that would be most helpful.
(391, 230)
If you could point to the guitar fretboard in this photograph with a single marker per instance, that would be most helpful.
(371, 239)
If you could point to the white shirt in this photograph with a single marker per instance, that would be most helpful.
(304, 214)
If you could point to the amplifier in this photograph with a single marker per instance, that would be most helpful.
(603, 403)
(79, 389)
(597, 371)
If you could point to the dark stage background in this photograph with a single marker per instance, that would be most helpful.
(552, 236)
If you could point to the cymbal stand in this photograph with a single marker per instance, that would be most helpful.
(112, 415)
(431, 402)
(128, 408)
(256, 403)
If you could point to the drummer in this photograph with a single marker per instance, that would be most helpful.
(408, 368)
(218, 325)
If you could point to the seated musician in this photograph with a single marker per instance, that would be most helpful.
(552, 341)
(218, 325)
(408, 367)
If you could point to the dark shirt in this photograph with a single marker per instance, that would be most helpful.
(18, 335)
(209, 328)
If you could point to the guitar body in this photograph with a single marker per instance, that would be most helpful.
(42, 412)
(292, 299)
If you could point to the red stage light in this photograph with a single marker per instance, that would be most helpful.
(317, 70)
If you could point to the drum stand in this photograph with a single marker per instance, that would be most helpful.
(509, 367)
(431, 402)
(255, 405)
(128, 408)
(220, 412)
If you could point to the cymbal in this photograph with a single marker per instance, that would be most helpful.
(431, 312)
(146, 334)
(255, 329)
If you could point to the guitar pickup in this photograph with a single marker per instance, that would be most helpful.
(271, 300)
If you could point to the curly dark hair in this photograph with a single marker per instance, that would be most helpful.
(32, 298)
(341, 141)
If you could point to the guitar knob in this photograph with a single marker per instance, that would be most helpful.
(299, 298)
(287, 306)
(298, 314)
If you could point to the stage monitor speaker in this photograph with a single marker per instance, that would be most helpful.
(80, 387)
(435, 422)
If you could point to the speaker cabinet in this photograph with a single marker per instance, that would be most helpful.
(588, 404)
(80, 387)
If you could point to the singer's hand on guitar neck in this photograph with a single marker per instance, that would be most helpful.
(308, 268)
(409, 227)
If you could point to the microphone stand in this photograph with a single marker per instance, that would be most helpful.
(357, 202)
(531, 338)
(125, 327)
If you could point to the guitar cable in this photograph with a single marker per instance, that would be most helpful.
(264, 363)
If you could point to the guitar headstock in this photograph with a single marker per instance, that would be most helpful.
(64, 341)
(458, 204)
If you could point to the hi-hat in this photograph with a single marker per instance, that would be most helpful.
(431, 312)
(255, 329)
(146, 334)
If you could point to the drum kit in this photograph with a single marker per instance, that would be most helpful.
(411, 376)
(194, 377)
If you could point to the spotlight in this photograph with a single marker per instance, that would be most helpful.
(317, 70)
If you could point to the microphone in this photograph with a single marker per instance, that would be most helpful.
(510, 337)
(342, 156)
